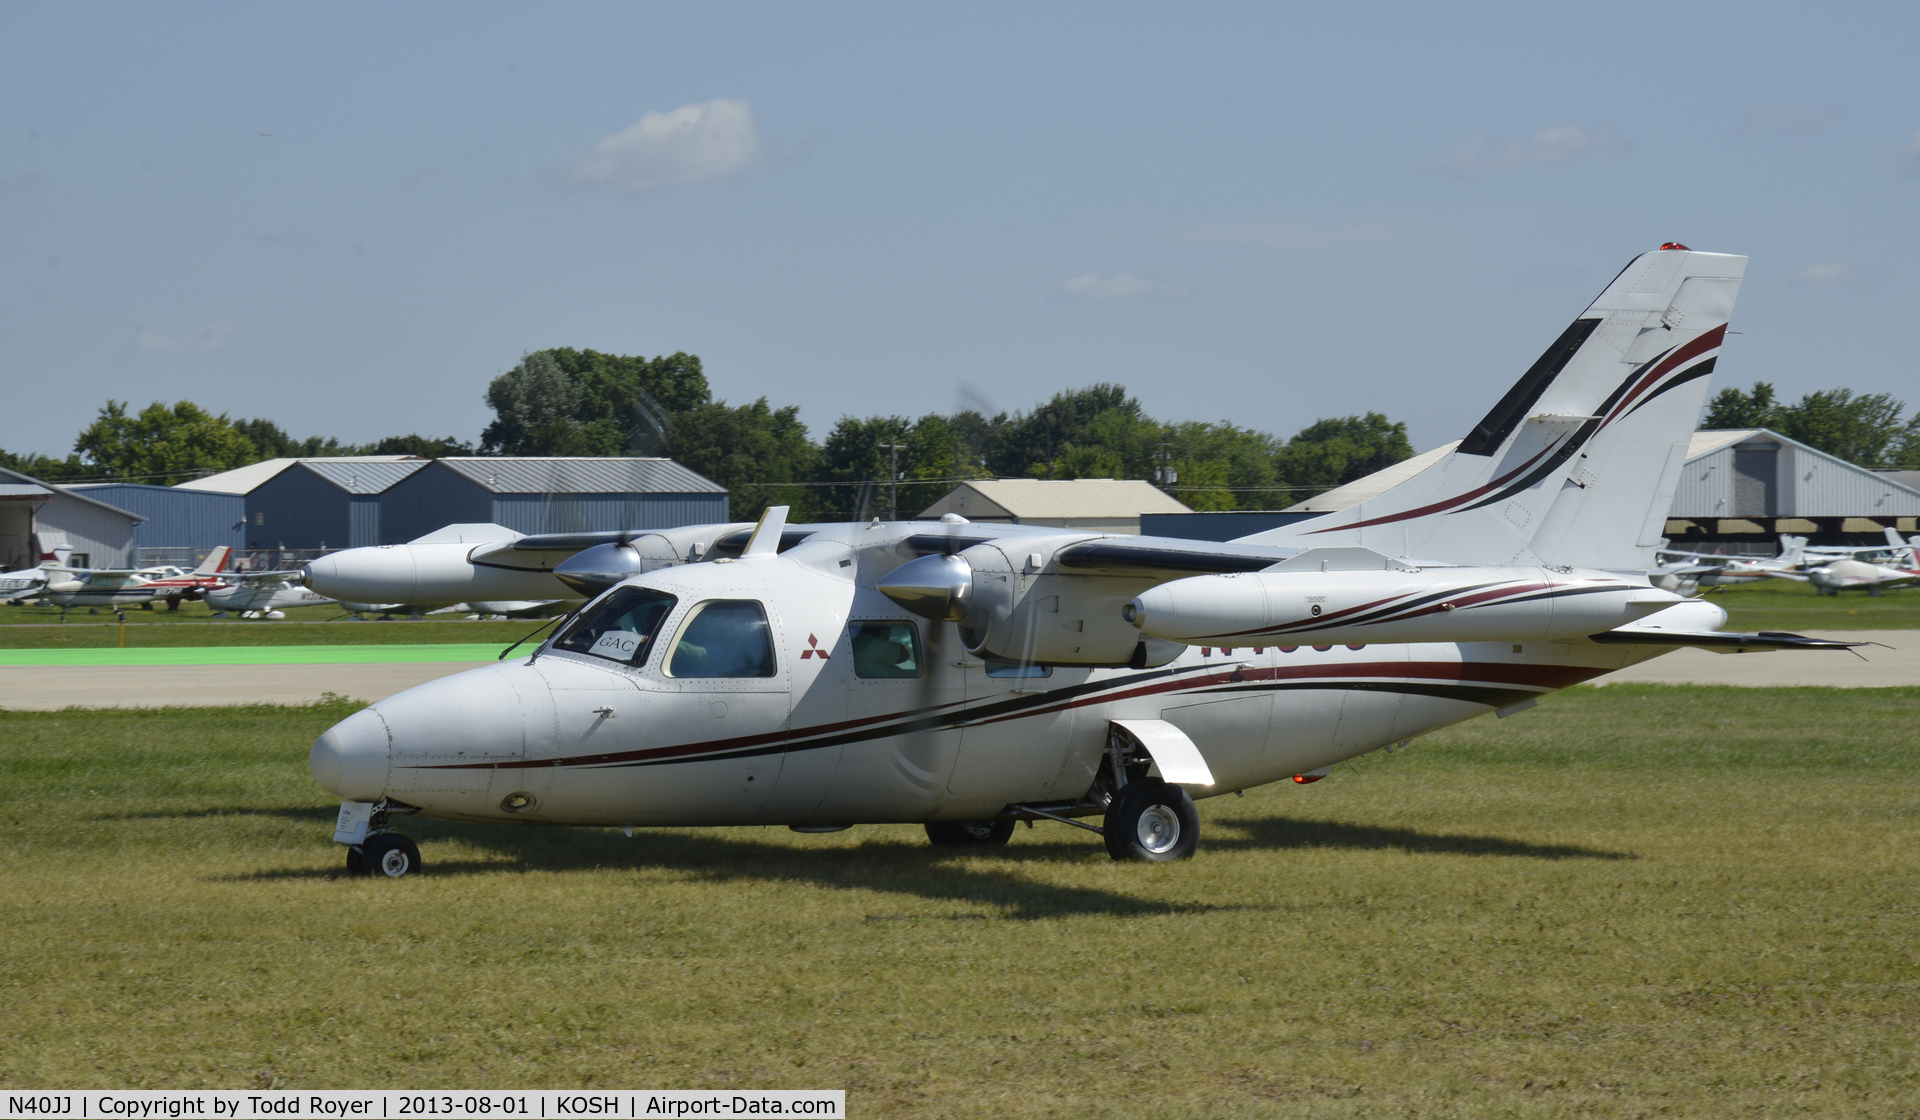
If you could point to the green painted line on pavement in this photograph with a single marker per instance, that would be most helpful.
(254, 655)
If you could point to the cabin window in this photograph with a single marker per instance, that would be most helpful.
(619, 627)
(724, 638)
(1017, 669)
(885, 650)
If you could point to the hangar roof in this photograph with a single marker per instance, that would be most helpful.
(1068, 498)
(581, 476)
(360, 477)
(1373, 485)
(244, 480)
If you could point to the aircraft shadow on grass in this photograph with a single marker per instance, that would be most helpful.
(1278, 833)
(890, 866)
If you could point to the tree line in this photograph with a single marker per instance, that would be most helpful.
(1872, 429)
(581, 402)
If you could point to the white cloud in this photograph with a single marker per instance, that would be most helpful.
(1283, 235)
(700, 143)
(1771, 116)
(210, 337)
(1124, 285)
(1481, 156)
(1832, 276)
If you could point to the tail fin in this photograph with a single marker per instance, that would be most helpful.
(1793, 550)
(1578, 462)
(1904, 551)
(215, 561)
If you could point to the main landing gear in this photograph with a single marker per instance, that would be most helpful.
(371, 849)
(1152, 821)
(1147, 819)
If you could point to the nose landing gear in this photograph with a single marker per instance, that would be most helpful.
(371, 849)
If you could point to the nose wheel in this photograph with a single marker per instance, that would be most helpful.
(388, 855)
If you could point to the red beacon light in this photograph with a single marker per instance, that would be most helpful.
(1308, 779)
(1676, 245)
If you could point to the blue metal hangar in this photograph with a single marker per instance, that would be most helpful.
(549, 495)
(310, 503)
(181, 526)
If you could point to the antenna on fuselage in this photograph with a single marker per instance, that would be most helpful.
(766, 535)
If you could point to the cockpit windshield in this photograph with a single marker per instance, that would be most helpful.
(619, 627)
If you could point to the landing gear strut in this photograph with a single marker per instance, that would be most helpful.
(1147, 819)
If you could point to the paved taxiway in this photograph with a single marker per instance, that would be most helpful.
(48, 688)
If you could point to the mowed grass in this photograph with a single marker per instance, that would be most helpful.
(1631, 901)
(194, 625)
(1786, 605)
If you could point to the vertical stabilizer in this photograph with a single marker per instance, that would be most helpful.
(215, 562)
(1577, 464)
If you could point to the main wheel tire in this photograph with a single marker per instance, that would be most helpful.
(389, 856)
(1153, 822)
(961, 834)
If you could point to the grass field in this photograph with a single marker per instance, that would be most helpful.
(1629, 902)
(194, 625)
(1784, 605)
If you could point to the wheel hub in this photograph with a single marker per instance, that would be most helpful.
(1158, 829)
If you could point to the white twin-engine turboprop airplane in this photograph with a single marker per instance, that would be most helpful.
(968, 676)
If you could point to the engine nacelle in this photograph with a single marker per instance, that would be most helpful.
(1009, 607)
(1393, 604)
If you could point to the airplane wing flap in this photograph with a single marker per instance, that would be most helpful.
(1174, 755)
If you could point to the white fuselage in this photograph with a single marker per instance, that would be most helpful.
(1858, 575)
(264, 595)
(576, 739)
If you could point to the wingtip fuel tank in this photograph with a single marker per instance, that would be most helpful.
(1424, 605)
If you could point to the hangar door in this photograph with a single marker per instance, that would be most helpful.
(1756, 481)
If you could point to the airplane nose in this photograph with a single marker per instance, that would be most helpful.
(350, 759)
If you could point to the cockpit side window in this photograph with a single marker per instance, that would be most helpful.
(620, 627)
(724, 638)
(885, 650)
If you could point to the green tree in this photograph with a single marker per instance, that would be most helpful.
(1867, 429)
(582, 402)
(1863, 429)
(1333, 452)
(161, 444)
(1731, 408)
(45, 467)
(755, 451)
(270, 441)
(420, 445)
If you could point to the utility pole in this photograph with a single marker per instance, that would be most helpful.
(893, 479)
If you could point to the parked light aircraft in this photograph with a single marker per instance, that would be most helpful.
(123, 587)
(968, 676)
(1902, 570)
(1685, 572)
(264, 594)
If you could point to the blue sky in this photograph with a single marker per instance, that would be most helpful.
(349, 218)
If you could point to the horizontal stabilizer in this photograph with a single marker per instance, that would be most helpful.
(1766, 641)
